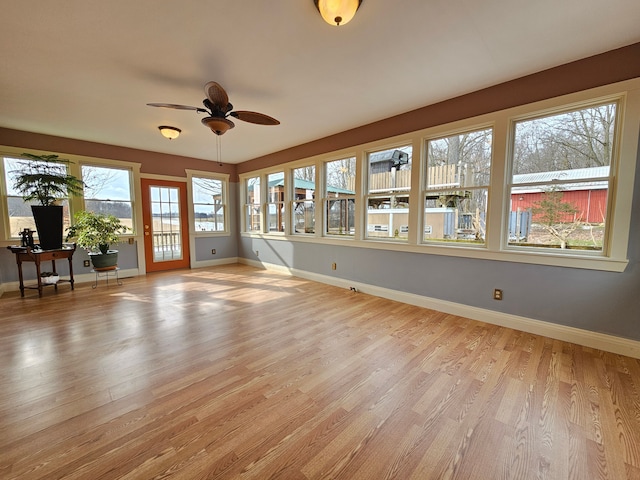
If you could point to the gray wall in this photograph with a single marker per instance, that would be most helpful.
(603, 302)
(127, 258)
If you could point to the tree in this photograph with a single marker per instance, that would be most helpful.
(571, 140)
(552, 213)
(341, 173)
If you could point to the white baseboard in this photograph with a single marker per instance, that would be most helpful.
(587, 338)
(214, 263)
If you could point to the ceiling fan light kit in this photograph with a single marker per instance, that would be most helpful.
(218, 125)
(169, 132)
(337, 12)
(218, 108)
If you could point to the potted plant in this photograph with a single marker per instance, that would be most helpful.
(45, 180)
(95, 232)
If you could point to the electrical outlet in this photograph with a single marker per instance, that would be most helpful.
(497, 294)
(131, 240)
(333, 266)
(85, 263)
(257, 253)
(213, 251)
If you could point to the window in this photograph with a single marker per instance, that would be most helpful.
(19, 212)
(389, 186)
(252, 206)
(547, 183)
(304, 199)
(340, 180)
(275, 203)
(108, 190)
(560, 180)
(457, 188)
(209, 204)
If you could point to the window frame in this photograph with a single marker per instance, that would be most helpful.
(76, 203)
(614, 259)
(389, 193)
(425, 189)
(294, 202)
(224, 179)
(610, 178)
(5, 225)
(246, 228)
(341, 197)
(280, 204)
(130, 170)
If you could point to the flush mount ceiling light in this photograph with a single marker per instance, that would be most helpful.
(337, 12)
(169, 132)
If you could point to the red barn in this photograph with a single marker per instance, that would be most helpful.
(589, 196)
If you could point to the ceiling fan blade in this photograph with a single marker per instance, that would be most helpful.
(217, 95)
(177, 107)
(254, 117)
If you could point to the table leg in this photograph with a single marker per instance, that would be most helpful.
(37, 262)
(53, 267)
(20, 275)
(70, 272)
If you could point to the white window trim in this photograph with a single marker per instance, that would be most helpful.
(614, 259)
(325, 198)
(244, 194)
(224, 178)
(285, 203)
(367, 194)
(291, 191)
(75, 203)
(424, 188)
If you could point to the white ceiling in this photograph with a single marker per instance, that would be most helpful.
(86, 69)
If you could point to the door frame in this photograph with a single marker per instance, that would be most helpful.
(185, 262)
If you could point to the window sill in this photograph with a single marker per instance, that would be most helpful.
(546, 258)
(209, 234)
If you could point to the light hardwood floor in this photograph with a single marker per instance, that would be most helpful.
(235, 372)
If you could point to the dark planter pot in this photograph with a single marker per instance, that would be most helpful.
(49, 225)
(104, 261)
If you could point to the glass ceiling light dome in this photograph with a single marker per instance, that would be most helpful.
(169, 132)
(337, 12)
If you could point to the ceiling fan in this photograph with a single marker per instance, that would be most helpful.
(218, 108)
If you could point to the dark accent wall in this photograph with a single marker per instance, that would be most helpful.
(610, 67)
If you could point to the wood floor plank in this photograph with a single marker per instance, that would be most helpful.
(238, 373)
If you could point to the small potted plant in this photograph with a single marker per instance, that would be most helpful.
(44, 179)
(95, 232)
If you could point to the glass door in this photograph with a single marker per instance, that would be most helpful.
(166, 232)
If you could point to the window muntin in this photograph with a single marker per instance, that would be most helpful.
(253, 205)
(339, 197)
(388, 191)
(457, 187)
(304, 200)
(275, 202)
(108, 190)
(560, 181)
(19, 211)
(209, 204)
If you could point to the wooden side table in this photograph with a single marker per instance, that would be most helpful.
(28, 254)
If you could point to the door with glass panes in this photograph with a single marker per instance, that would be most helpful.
(166, 229)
